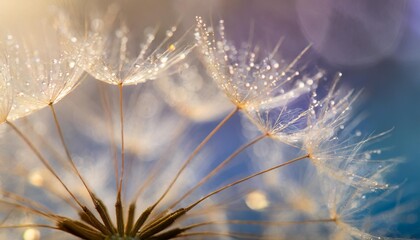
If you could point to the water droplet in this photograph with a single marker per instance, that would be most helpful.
(169, 33)
(164, 59)
(309, 82)
(119, 33)
(72, 64)
(171, 48)
(96, 23)
(301, 84)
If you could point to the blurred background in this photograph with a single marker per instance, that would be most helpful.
(375, 44)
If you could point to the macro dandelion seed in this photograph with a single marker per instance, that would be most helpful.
(263, 87)
(345, 159)
(112, 56)
(115, 156)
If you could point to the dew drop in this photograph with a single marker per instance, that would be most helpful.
(301, 84)
(72, 64)
(119, 34)
(309, 82)
(164, 59)
(169, 33)
(171, 48)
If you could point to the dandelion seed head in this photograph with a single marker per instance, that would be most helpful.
(140, 162)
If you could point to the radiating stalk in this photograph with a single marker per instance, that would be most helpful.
(245, 179)
(196, 151)
(220, 166)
